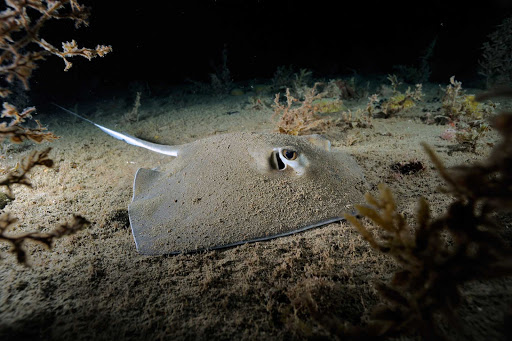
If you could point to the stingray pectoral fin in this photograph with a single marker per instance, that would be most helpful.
(319, 141)
(279, 235)
(143, 179)
(146, 230)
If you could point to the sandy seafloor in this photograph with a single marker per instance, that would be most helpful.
(94, 285)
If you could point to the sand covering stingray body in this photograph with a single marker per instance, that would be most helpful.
(235, 188)
(224, 190)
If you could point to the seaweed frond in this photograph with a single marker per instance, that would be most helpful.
(18, 176)
(18, 133)
(439, 255)
(399, 101)
(21, 48)
(297, 120)
(18, 242)
(18, 31)
(133, 115)
(466, 115)
(432, 269)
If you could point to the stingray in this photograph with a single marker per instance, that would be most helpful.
(236, 188)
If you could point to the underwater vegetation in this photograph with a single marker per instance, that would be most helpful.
(300, 117)
(18, 61)
(320, 107)
(21, 49)
(466, 116)
(297, 120)
(16, 132)
(399, 101)
(18, 176)
(440, 254)
(17, 33)
(133, 115)
(457, 105)
(328, 106)
(496, 64)
(285, 77)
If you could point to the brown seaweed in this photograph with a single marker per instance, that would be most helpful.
(18, 176)
(439, 255)
(18, 241)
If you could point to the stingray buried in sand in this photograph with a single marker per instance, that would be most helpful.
(235, 188)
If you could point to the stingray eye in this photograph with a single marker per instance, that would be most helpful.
(290, 154)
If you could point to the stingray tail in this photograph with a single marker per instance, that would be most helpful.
(159, 148)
